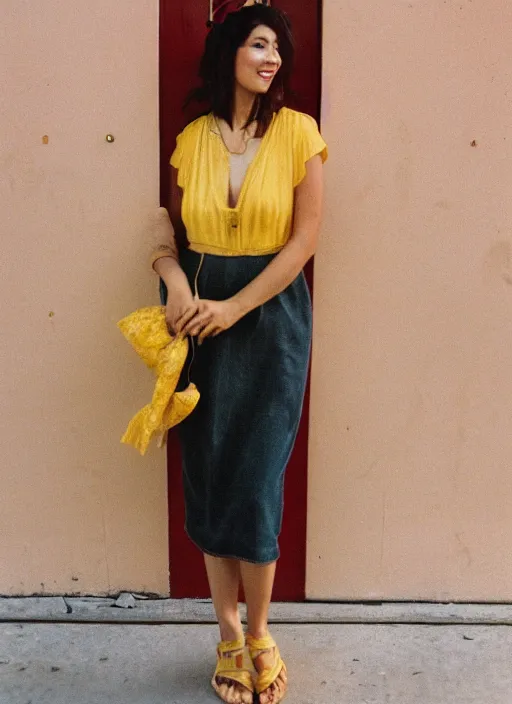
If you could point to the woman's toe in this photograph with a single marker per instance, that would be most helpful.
(224, 691)
(246, 696)
(279, 689)
(274, 693)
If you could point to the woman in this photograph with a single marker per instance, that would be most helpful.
(245, 210)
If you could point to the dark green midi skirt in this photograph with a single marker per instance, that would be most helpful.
(237, 442)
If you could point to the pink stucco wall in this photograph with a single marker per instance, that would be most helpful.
(79, 512)
(410, 488)
(410, 482)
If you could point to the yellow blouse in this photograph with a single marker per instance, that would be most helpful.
(261, 222)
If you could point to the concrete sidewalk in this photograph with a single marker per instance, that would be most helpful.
(350, 663)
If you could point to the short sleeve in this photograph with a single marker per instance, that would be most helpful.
(186, 143)
(177, 155)
(307, 143)
(177, 158)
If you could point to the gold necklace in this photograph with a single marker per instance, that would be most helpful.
(245, 138)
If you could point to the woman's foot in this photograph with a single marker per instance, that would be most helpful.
(272, 681)
(233, 692)
(232, 680)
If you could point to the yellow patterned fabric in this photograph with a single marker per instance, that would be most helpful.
(146, 330)
(261, 222)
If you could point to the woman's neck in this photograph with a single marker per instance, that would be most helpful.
(243, 104)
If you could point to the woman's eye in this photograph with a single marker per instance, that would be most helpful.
(258, 45)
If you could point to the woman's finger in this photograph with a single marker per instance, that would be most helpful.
(197, 329)
(197, 323)
(207, 331)
(185, 318)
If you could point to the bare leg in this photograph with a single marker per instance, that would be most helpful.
(258, 581)
(224, 580)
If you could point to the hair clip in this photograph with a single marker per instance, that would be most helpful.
(221, 8)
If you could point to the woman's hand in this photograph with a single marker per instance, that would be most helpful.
(181, 304)
(212, 318)
(180, 309)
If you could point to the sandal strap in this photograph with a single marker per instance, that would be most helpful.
(233, 663)
(255, 644)
(269, 674)
(228, 646)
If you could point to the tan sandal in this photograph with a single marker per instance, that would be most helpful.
(233, 664)
(268, 675)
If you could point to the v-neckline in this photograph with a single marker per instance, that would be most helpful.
(227, 153)
(238, 166)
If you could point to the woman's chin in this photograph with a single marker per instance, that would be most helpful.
(261, 90)
(258, 87)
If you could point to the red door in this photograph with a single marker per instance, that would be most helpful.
(182, 33)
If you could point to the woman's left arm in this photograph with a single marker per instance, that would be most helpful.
(301, 246)
(215, 316)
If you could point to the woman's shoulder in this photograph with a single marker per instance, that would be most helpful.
(186, 143)
(194, 128)
(295, 119)
(299, 133)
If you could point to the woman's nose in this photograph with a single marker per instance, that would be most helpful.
(273, 57)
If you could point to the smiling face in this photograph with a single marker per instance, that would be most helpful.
(258, 60)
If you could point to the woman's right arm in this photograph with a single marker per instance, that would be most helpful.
(181, 305)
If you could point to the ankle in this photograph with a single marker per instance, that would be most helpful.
(230, 629)
(258, 631)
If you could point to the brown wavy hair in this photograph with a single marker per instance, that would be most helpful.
(217, 67)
